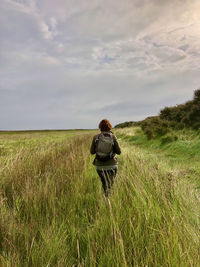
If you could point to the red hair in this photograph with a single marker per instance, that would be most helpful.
(105, 125)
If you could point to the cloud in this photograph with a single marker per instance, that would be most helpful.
(68, 64)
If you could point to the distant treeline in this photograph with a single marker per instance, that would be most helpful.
(181, 116)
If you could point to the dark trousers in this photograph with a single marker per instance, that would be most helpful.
(107, 179)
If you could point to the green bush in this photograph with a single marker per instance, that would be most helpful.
(196, 126)
(177, 117)
(197, 96)
(168, 139)
(154, 127)
(179, 126)
(127, 124)
(149, 134)
(188, 114)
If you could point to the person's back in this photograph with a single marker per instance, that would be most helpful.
(105, 145)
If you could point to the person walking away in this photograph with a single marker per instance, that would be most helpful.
(105, 145)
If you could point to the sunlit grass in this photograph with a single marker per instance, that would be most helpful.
(53, 212)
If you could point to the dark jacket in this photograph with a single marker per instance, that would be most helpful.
(109, 162)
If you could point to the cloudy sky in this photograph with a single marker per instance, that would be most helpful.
(68, 64)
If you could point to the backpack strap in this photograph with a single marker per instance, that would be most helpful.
(97, 139)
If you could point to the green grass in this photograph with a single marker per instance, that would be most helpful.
(53, 212)
(183, 155)
(185, 149)
(12, 141)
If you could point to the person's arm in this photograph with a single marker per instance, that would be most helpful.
(92, 148)
(117, 148)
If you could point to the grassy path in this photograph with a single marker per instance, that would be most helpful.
(53, 212)
(181, 156)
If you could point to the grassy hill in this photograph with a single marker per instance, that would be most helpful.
(182, 116)
(53, 212)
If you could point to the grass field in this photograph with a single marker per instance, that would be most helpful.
(53, 212)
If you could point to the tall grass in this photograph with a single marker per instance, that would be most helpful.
(53, 212)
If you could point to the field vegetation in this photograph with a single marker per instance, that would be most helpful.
(53, 211)
(179, 117)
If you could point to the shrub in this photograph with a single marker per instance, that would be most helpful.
(177, 117)
(179, 126)
(154, 127)
(187, 114)
(186, 120)
(196, 125)
(166, 113)
(197, 95)
(168, 139)
(127, 124)
(149, 134)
